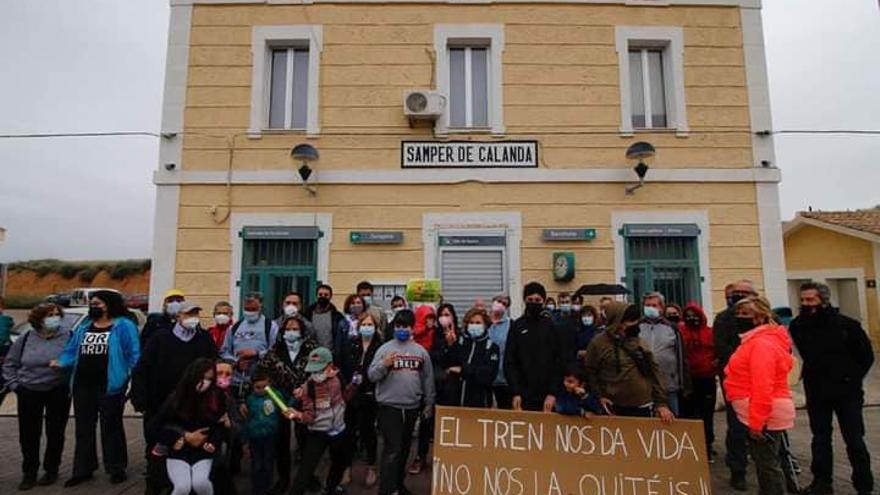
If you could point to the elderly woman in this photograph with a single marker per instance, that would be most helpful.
(41, 391)
(756, 386)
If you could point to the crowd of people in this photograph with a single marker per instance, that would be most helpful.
(316, 380)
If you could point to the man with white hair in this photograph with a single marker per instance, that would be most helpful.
(837, 356)
(664, 341)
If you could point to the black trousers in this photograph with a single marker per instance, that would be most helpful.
(341, 454)
(361, 417)
(35, 408)
(91, 404)
(701, 405)
(426, 434)
(736, 441)
(396, 426)
(503, 399)
(852, 427)
(282, 453)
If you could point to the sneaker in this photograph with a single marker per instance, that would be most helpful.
(372, 478)
(78, 480)
(117, 478)
(49, 478)
(738, 482)
(819, 488)
(415, 467)
(27, 482)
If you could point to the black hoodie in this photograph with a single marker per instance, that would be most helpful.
(533, 360)
(479, 360)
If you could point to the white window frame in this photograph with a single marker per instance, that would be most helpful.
(461, 35)
(671, 41)
(263, 40)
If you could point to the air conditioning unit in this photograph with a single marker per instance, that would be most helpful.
(423, 104)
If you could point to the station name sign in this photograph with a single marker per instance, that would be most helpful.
(469, 154)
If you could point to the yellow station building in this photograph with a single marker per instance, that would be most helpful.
(479, 142)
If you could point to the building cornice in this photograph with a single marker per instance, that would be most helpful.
(753, 4)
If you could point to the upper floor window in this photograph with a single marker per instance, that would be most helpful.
(651, 79)
(284, 86)
(469, 74)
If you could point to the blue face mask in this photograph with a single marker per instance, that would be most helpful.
(402, 334)
(368, 300)
(367, 332)
(476, 330)
(565, 308)
(652, 313)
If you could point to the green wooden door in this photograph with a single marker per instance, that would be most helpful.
(273, 267)
(666, 264)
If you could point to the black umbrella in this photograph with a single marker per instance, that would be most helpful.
(602, 290)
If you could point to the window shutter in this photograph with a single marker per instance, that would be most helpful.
(467, 275)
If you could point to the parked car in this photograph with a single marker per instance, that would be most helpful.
(138, 301)
(62, 299)
(73, 316)
(81, 296)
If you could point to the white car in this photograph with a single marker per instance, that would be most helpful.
(73, 316)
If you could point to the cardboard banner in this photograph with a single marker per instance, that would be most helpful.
(493, 452)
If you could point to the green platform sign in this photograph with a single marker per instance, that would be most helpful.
(569, 234)
(375, 237)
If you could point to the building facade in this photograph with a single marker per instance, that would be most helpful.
(851, 274)
(518, 175)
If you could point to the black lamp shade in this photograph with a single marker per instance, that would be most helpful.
(640, 151)
(305, 153)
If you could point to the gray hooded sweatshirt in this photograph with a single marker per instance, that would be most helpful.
(409, 382)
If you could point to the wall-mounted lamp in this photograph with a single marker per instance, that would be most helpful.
(305, 154)
(641, 153)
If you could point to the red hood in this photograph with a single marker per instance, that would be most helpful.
(696, 308)
(422, 313)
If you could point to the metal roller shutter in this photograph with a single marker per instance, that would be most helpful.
(467, 275)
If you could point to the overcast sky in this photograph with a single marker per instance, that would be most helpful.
(98, 65)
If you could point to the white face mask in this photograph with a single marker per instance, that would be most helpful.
(576, 308)
(292, 336)
(222, 319)
(319, 377)
(51, 322)
(476, 330)
(290, 310)
(191, 323)
(587, 320)
(252, 316)
(172, 308)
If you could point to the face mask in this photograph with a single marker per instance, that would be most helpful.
(674, 319)
(203, 386)
(692, 321)
(744, 325)
(499, 308)
(402, 334)
(356, 310)
(651, 313)
(292, 336)
(397, 309)
(810, 310)
(735, 298)
(95, 312)
(319, 377)
(533, 310)
(221, 319)
(51, 322)
(587, 321)
(224, 382)
(565, 308)
(368, 300)
(367, 332)
(576, 308)
(252, 316)
(323, 301)
(445, 321)
(191, 323)
(172, 308)
(551, 307)
(290, 310)
(476, 330)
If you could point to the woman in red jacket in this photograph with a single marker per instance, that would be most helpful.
(426, 322)
(699, 346)
(756, 385)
